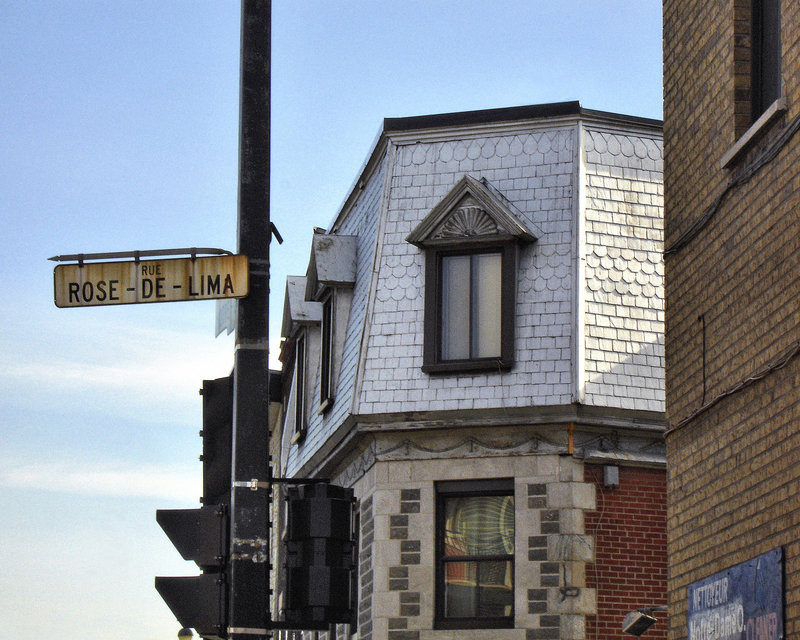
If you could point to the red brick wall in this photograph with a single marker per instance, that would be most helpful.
(630, 532)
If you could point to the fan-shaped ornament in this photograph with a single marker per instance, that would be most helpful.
(467, 222)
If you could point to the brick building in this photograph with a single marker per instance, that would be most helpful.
(476, 349)
(732, 253)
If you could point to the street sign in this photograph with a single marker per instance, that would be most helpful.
(108, 283)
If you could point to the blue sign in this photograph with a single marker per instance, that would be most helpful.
(744, 602)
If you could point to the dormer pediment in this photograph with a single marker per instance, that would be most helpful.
(297, 311)
(473, 210)
(332, 263)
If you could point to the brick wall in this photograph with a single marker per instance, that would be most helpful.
(733, 498)
(732, 295)
(630, 568)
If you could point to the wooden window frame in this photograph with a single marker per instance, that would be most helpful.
(300, 409)
(326, 354)
(466, 489)
(432, 350)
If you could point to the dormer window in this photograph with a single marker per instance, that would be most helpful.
(301, 321)
(470, 294)
(330, 278)
(326, 355)
(300, 400)
(470, 239)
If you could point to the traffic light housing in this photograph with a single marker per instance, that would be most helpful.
(320, 550)
(217, 437)
(200, 601)
(203, 535)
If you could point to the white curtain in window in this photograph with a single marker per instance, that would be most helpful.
(455, 307)
(486, 305)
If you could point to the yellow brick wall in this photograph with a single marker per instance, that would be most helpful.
(734, 469)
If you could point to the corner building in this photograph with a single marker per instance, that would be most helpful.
(732, 254)
(477, 349)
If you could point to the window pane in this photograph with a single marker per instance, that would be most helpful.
(300, 385)
(765, 54)
(460, 590)
(486, 305)
(495, 589)
(455, 307)
(325, 387)
(479, 589)
(479, 526)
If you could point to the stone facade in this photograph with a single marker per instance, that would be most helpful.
(577, 193)
(733, 288)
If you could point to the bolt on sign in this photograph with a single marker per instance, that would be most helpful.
(170, 280)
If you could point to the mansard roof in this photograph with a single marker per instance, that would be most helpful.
(473, 209)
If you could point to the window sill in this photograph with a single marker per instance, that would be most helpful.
(468, 366)
(473, 623)
(756, 129)
(298, 437)
(325, 406)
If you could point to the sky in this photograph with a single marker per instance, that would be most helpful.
(119, 132)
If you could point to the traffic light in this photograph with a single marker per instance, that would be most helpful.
(320, 556)
(217, 440)
(202, 535)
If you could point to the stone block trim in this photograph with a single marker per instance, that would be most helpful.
(550, 521)
(537, 600)
(559, 550)
(399, 576)
(366, 569)
(537, 496)
(410, 552)
(537, 548)
(398, 527)
(409, 501)
(551, 633)
(403, 635)
(410, 603)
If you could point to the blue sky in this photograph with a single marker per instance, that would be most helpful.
(119, 131)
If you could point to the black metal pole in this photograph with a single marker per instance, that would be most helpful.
(248, 604)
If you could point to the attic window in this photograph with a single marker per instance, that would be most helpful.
(326, 355)
(300, 409)
(469, 291)
(470, 239)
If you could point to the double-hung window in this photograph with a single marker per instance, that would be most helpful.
(757, 78)
(765, 55)
(475, 554)
(469, 308)
(326, 355)
(300, 410)
(471, 286)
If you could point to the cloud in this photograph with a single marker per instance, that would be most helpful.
(118, 372)
(159, 358)
(131, 481)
